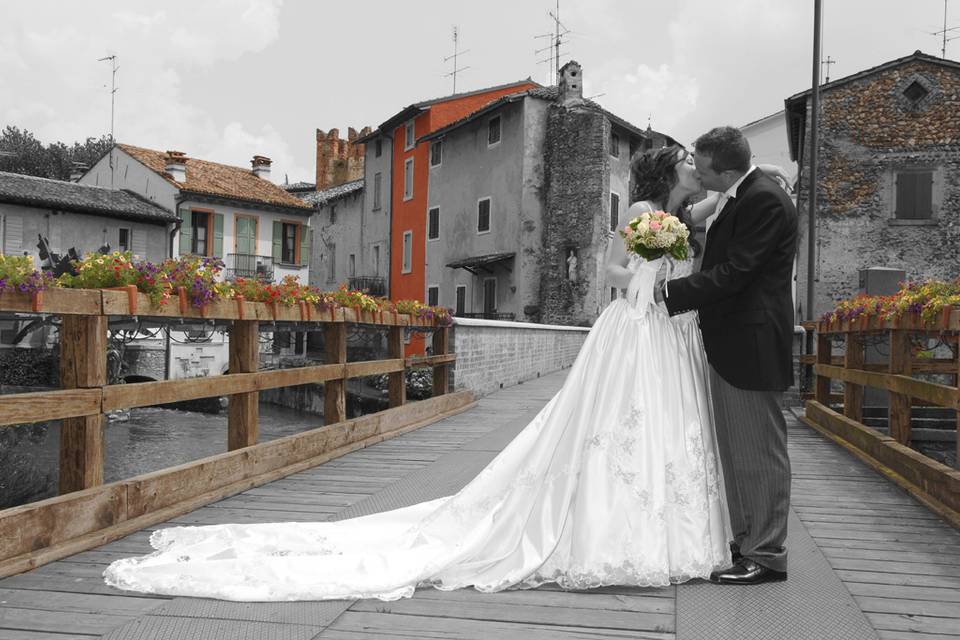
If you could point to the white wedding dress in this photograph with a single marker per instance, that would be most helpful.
(615, 482)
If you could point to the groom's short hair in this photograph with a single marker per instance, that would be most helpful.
(727, 148)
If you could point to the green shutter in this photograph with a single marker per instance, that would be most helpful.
(218, 235)
(277, 241)
(306, 241)
(186, 233)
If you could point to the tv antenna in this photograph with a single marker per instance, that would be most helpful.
(113, 88)
(556, 41)
(456, 53)
(945, 32)
(829, 61)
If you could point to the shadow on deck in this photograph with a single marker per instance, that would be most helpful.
(867, 560)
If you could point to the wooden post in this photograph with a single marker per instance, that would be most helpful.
(956, 348)
(824, 354)
(853, 393)
(83, 365)
(900, 403)
(244, 412)
(335, 349)
(398, 384)
(441, 373)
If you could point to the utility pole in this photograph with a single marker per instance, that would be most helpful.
(829, 61)
(113, 97)
(456, 53)
(556, 41)
(814, 144)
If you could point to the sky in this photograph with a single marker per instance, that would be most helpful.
(223, 80)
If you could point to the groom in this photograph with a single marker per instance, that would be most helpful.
(743, 295)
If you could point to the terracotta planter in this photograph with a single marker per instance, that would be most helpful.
(274, 310)
(945, 317)
(240, 304)
(36, 301)
(182, 298)
(132, 297)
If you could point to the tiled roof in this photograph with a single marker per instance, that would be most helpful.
(325, 197)
(215, 179)
(295, 187)
(80, 198)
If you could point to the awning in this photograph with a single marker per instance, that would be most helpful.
(475, 264)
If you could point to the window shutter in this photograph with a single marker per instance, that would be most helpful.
(277, 241)
(13, 235)
(186, 234)
(138, 243)
(306, 241)
(218, 235)
(906, 195)
(924, 201)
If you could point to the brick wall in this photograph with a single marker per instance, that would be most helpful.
(869, 132)
(339, 161)
(493, 354)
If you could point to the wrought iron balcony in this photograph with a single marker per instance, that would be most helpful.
(243, 265)
(374, 285)
(489, 315)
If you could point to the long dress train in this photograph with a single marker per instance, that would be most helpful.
(616, 481)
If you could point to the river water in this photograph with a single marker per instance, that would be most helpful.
(135, 442)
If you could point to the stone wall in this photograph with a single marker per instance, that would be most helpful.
(492, 354)
(576, 217)
(869, 132)
(339, 161)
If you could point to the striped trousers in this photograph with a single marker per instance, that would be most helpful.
(752, 439)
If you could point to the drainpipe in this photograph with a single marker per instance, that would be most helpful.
(172, 231)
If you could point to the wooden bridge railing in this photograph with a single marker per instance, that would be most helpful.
(935, 484)
(88, 513)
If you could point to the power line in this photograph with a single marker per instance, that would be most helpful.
(456, 53)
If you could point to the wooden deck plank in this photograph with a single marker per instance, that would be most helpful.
(117, 605)
(74, 622)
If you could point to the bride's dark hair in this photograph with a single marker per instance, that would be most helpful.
(654, 175)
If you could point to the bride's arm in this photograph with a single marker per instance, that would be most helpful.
(705, 208)
(616, 265)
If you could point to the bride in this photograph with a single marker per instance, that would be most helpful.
(615, 482)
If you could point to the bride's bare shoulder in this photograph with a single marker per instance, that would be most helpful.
(641, 206)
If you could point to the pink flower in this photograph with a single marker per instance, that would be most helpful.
(654, 225)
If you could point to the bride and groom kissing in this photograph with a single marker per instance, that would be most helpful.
(663, 457)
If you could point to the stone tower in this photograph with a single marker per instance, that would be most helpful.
(339, 161)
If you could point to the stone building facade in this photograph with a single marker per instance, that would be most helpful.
(889, 175)
(339, 161)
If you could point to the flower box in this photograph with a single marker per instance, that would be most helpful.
(54, 300)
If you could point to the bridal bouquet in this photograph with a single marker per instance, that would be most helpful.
(654, 234)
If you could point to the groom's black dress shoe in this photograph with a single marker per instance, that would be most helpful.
(746, 571)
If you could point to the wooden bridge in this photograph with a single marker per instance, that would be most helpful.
(873, 555)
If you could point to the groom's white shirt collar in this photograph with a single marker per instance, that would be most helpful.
(732, 191)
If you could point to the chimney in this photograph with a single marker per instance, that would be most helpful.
(571, 83)
(261, 166)
(79, 168)
(177, 165)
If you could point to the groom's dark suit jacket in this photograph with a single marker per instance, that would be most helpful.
(743, 288)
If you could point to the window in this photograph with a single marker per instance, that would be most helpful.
(407, 265)
(915, 92)
(408, 178)
(333, 214)
(614, 211)
(331, 267)
(493, 131)
(200, 225)
(483, 215)
(123, 239)
(377, 183)
(436, 153)
(461, 300)
(376, 260)
(614, 145)
(433, 295)
(290, 243)
(378, 147)
(433, 223)
(352, 265)
(408, 137)
(914, 195)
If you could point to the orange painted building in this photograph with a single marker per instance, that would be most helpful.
(410, 174)
(409, 194)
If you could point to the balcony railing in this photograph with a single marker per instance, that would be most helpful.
(243, 265)
(489, 315)
(374, 285)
